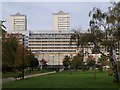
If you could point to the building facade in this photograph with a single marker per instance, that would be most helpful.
(51, 46)
(17, 22)
(61, 21)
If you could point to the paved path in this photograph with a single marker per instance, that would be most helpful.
(27, 76)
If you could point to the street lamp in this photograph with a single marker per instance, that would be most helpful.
(23, 58)
(53, 61)
(58, 57)
(30, 62)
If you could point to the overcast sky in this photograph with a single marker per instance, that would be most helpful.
(39, 14)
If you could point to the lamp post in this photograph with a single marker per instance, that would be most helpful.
(30, 63)
(53, 61)
(58, 59)
(23, 58)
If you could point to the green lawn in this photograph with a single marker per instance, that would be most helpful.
(65, 79)
(11, 74)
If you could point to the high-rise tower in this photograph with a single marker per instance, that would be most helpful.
(17, 22)
(61, 21)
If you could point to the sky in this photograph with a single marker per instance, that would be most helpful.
(39, 14)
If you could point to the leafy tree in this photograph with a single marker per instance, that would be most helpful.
(91, 61)
(110, 23)
(18, 61)
(104, 61)
(80, 39)
(20, 55)
(29, 59)
(104, 31)
(101, 61)
(9, 48)
(43, 63)
(34, 63)
(13, 52)
(102, 58)
(66, 62)
(77, 61)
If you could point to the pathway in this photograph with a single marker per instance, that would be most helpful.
(27, 76)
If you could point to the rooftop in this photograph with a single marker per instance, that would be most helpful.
(60, 13)
(18, 14)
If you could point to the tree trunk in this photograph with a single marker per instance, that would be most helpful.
(94, 72)
(115, 70)
(41, 67)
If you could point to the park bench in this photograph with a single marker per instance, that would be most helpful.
(18, 76)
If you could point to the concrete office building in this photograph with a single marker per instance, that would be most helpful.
(17, 22)
(51, 46)
(61, 21)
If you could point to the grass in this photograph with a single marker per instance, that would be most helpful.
(65, 79)
(8, 74)
(11, 74)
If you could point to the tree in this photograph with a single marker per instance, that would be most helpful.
(19, 57)
(34, 63)
(66, 62)
(18, 61)
(7, 46)
(110, 23)
(77, 61)
(9, 49)
(13, 56)
(29, 59)
(12, 52)
(80, 39)
(103, 32)
(104, 61)
(43, 63)
(101, 61)
(91, 61)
